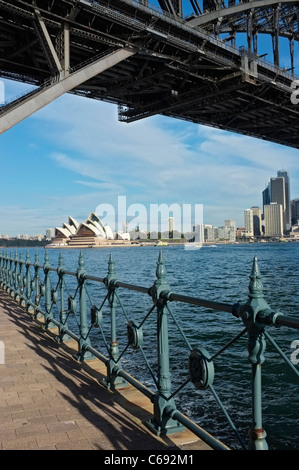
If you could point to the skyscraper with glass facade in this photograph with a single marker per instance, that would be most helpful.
(287, 215)
(278, 191)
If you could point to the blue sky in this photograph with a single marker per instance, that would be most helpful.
(74, 155)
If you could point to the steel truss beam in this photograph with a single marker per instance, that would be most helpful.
(22, 108)
(177, 69)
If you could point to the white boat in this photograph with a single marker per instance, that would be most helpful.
(197, 241)
(192, 246)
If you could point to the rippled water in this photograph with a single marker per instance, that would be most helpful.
(219, 273)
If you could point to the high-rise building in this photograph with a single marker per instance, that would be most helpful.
(287, 215)
(50, 233)
(295, 211)
(248, 219)
(171, 224)
(198, 230)
(273, 218)
(257, 220)
(278, 191)
(230, 224)
(266, 195)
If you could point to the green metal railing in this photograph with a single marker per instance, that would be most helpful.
(59, 303)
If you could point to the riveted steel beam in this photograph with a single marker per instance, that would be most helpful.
(47, 42)
(45, 95)
(234, 10)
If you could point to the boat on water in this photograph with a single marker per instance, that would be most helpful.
(196, 242)
(160, 243)
(192, 246)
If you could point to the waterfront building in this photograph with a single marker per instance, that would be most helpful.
(230, 224)
(226, 232)
(266, 195)
(294, 234)
(240, 233)
(278, 195)
(295, 211)
(257, 220)
(278, 191)
(67, 230)
(209, 233)
(287, 215)
(50, 233)
(94, 227)
(90, 233)
(273, 219)
(171, 224)
(248, 220)
(198, 233)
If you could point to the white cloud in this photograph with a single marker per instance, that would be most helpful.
(157, 160)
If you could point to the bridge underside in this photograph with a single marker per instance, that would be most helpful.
(175, 69)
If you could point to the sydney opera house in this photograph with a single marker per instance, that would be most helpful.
(89, 234)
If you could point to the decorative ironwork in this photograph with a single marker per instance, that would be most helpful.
(66, 306)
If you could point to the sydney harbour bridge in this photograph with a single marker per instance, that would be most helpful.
(229, 64)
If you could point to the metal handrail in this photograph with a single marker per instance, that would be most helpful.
(41, 297)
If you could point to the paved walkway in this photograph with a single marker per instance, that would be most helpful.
(49, 401)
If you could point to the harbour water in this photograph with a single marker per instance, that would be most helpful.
(219, 273)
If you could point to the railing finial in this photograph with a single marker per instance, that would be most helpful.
(111, 266)
(255, 285)
(161, 270)
(46, 260)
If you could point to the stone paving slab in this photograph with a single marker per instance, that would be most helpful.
(49, 401)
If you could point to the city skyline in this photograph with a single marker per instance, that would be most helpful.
(279, 214)
(74, 155)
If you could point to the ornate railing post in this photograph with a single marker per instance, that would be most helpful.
(22, 280)
(6, 278)
(16, 277)
(62, 336)
(162, 423)
(256, 346)
(84, 341)
(7, 272)
(3, 269)
(28, 281)
(37, 313)
(113, 381)
(47, 292)
(13, 277)
(10, 274)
